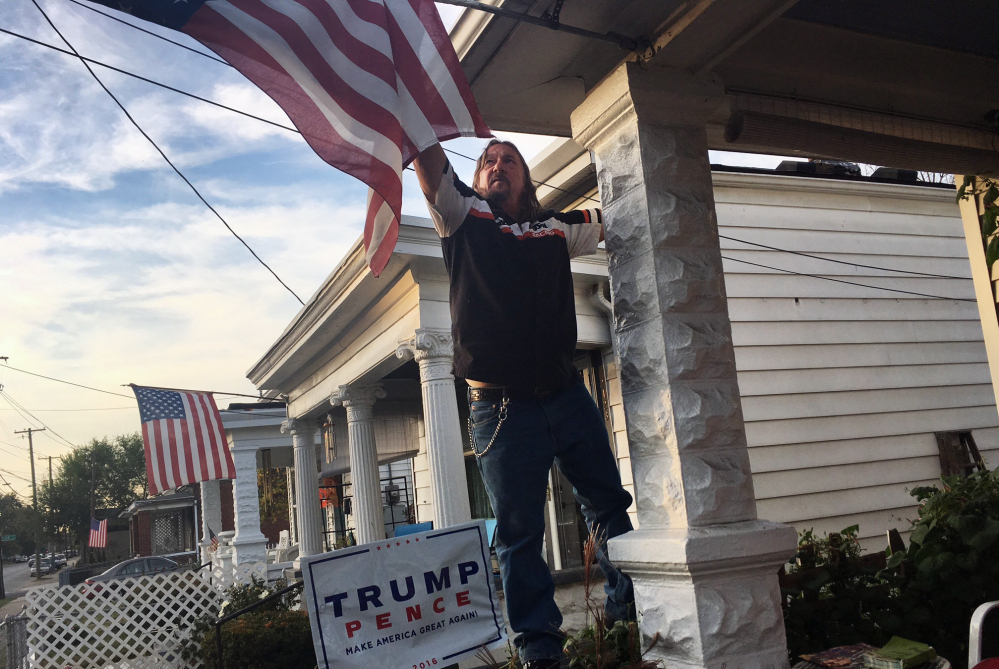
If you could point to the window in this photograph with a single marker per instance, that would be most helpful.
(133, 568)
(159, 564)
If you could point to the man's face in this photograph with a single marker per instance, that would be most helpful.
(502, 176)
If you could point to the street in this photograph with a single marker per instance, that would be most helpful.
(17, 580)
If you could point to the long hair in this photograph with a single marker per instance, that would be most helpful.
(530, 208)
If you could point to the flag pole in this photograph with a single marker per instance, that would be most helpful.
(188, 390)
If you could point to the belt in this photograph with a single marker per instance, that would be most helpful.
(497, 394)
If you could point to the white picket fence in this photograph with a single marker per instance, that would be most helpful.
(134, 623)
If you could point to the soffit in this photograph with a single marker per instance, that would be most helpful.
(913, 58)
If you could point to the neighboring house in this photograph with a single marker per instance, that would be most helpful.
(844, 387)
(164, 525)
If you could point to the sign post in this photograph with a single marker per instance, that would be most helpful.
(424, 600)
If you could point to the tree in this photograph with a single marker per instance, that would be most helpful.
(117, 468)
(19, 520)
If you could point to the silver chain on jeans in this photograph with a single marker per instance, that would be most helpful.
(471, 432)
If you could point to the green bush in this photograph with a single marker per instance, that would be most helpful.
(951, 565)
(832, 594)
(928, 592)
(272, 636)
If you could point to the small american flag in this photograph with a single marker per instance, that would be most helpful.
(184, 440)
(98, 533)
(213, 539)
(369, 83)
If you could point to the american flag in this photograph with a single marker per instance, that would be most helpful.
(369, 83)
(184, 440)
(98, 533)
(213, 539)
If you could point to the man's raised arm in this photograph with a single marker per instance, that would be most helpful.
(429, 166)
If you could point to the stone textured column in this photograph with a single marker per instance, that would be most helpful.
(705, 569)
(310, 524)
(248, 544)
(211, 515)
(434, 351)
(369, 517)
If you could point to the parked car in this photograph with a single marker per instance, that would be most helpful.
(20, 558)
(134, 567)
(46, 567)
(60, 560)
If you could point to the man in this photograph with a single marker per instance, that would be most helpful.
(514, 326)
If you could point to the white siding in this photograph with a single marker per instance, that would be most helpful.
(843, 386)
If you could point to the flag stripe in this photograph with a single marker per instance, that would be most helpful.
(366, 32)
(215, 445)
(426, 55)
(378, 225)
(173, 465)
(164, 442)
(223, 444)
(187, 453)
(429, 17)
(152, 472)
(366, 139)
(370, 59)
(311, 44)
(418, 81)
(208, 472)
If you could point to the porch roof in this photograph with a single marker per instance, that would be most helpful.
(909, 70)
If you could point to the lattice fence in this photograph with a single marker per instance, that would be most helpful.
(135, 623)
(226, 575)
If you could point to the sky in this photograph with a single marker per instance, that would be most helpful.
(111, 270)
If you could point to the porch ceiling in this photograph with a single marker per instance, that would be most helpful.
(918, 60)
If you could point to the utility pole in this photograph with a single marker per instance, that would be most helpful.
(52, 546)
(34, 492)
(93, 553)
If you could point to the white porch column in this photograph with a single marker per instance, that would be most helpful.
(248, 544)
(704, 568)
(211, 515)
(307, 504)
(433, 351)
(369, 517)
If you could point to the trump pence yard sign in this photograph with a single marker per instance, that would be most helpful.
(423, 600)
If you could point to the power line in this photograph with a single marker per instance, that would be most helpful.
(11, 453)
(147, 80)
(160, 151)
(14, 403)
(771, 248)
(96, 409)
(107, 392)
(851, 283)
(15, 493)
(86, 60)
(843, 262)
(17, 476)
(149, 32)
(68, 383)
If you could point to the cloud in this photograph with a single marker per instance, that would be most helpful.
(111, 271)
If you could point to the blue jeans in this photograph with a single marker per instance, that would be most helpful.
(565, 428)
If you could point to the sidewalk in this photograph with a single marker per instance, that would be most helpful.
(12, 607)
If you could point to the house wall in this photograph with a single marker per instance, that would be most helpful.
(843, 387)
(144, 535)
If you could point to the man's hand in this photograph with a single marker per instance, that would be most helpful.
(429, 166)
